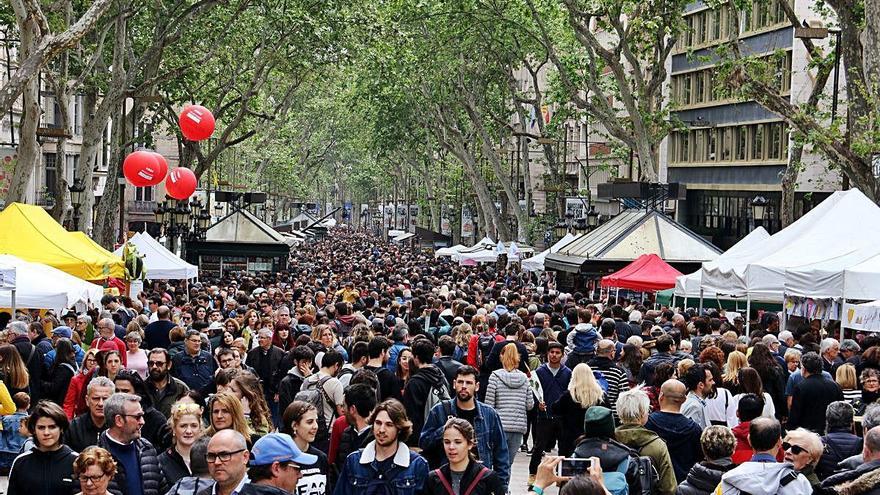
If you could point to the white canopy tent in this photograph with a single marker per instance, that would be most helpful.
(688, 286)
(449, 251)
(160, 262)
(759, 272)
(40, 286)
(536, 263)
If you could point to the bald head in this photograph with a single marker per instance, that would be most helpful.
(228, 438)
(871, 451)
(605, 348)
(672, 396)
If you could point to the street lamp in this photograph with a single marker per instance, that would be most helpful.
(77, 198)
(759, 208)
(560, 229)
(592, 218)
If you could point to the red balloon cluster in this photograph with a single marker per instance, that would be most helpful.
(145, 168)
(181, 183)
(196, 123)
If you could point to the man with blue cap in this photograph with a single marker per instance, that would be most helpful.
(275, 466)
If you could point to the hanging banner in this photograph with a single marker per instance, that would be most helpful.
(467, 223)
(445, 222)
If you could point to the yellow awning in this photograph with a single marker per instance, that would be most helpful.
(29, 232)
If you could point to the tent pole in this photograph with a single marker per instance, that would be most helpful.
(617, 296)
(842, 315)
(12, 297)
(673, 300)
(748, 314)
(701, 302)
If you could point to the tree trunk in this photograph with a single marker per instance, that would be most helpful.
(29, 148)
(106, 230)
(789, 185)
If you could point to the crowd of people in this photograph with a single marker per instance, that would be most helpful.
(369, 367)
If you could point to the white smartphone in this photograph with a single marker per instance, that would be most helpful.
(572, 466)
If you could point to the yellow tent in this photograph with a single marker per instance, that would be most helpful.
(30, 233)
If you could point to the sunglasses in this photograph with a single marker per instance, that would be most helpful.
(794, 449)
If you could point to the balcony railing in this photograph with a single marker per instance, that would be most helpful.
(45, 199)
(141, 206)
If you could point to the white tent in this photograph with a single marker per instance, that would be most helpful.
(862, 281)
(536, 263)
(41, 286)
(689, 285)
(160, 262)
(759, 272)
(449, 251)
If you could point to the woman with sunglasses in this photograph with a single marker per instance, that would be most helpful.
(48, 467)
(94, 469)
(803, 448)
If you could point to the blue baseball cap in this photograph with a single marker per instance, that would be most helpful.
(63, 331)
(279, 447)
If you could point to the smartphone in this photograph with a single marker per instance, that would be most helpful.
(571, 466)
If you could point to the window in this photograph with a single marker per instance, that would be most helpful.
(50, 170)
(757, 146)
(774, 150)
(703, 20)
(741, 143)
(699, 87)
(686, 89)
(716, 23)
(709, 156)
(144, 193)
(725, 138)
(684, 147)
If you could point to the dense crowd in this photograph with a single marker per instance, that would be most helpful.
(371, 368)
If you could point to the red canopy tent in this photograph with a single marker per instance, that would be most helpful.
(648, 273)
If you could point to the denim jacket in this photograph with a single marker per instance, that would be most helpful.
(360, 473)
(491, 440)
(196, 372)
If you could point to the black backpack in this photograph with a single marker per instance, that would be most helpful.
(485, 342)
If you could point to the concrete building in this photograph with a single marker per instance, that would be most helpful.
(733, 151)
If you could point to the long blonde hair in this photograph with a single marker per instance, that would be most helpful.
(735, 362)
(231, 403)
(462, 335)
(13, 367)
(510, 357)
(583, 387)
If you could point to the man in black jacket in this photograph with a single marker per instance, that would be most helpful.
(865, 479)
(85, 428)
(425, 377)
(31, 356)
(265, 359)
(811, 397)
(446, 364)
(137, 463)
(360, 400)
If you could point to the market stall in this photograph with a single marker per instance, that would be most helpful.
(35, 285)
(30, 233)
(648, 273)
(536, 262)
(160, 263)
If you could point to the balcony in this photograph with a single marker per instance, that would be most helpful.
(45, 199)
(143, 207)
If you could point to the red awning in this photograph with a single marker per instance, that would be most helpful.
(647, 273)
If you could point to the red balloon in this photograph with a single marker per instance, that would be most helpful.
(181, 183)
(196, 123)
(162, 168)
(141, 168)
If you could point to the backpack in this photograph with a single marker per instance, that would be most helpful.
(485, 341)
(436, 394)
(649, 478)
(448, 486)
(342, 328)
(315, 395)
(603, 382)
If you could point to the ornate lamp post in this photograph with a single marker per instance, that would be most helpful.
(77, 198)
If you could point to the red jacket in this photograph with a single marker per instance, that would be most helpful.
(75, 400)
(743, 451)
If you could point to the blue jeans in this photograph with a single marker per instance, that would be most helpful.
(514, 440)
